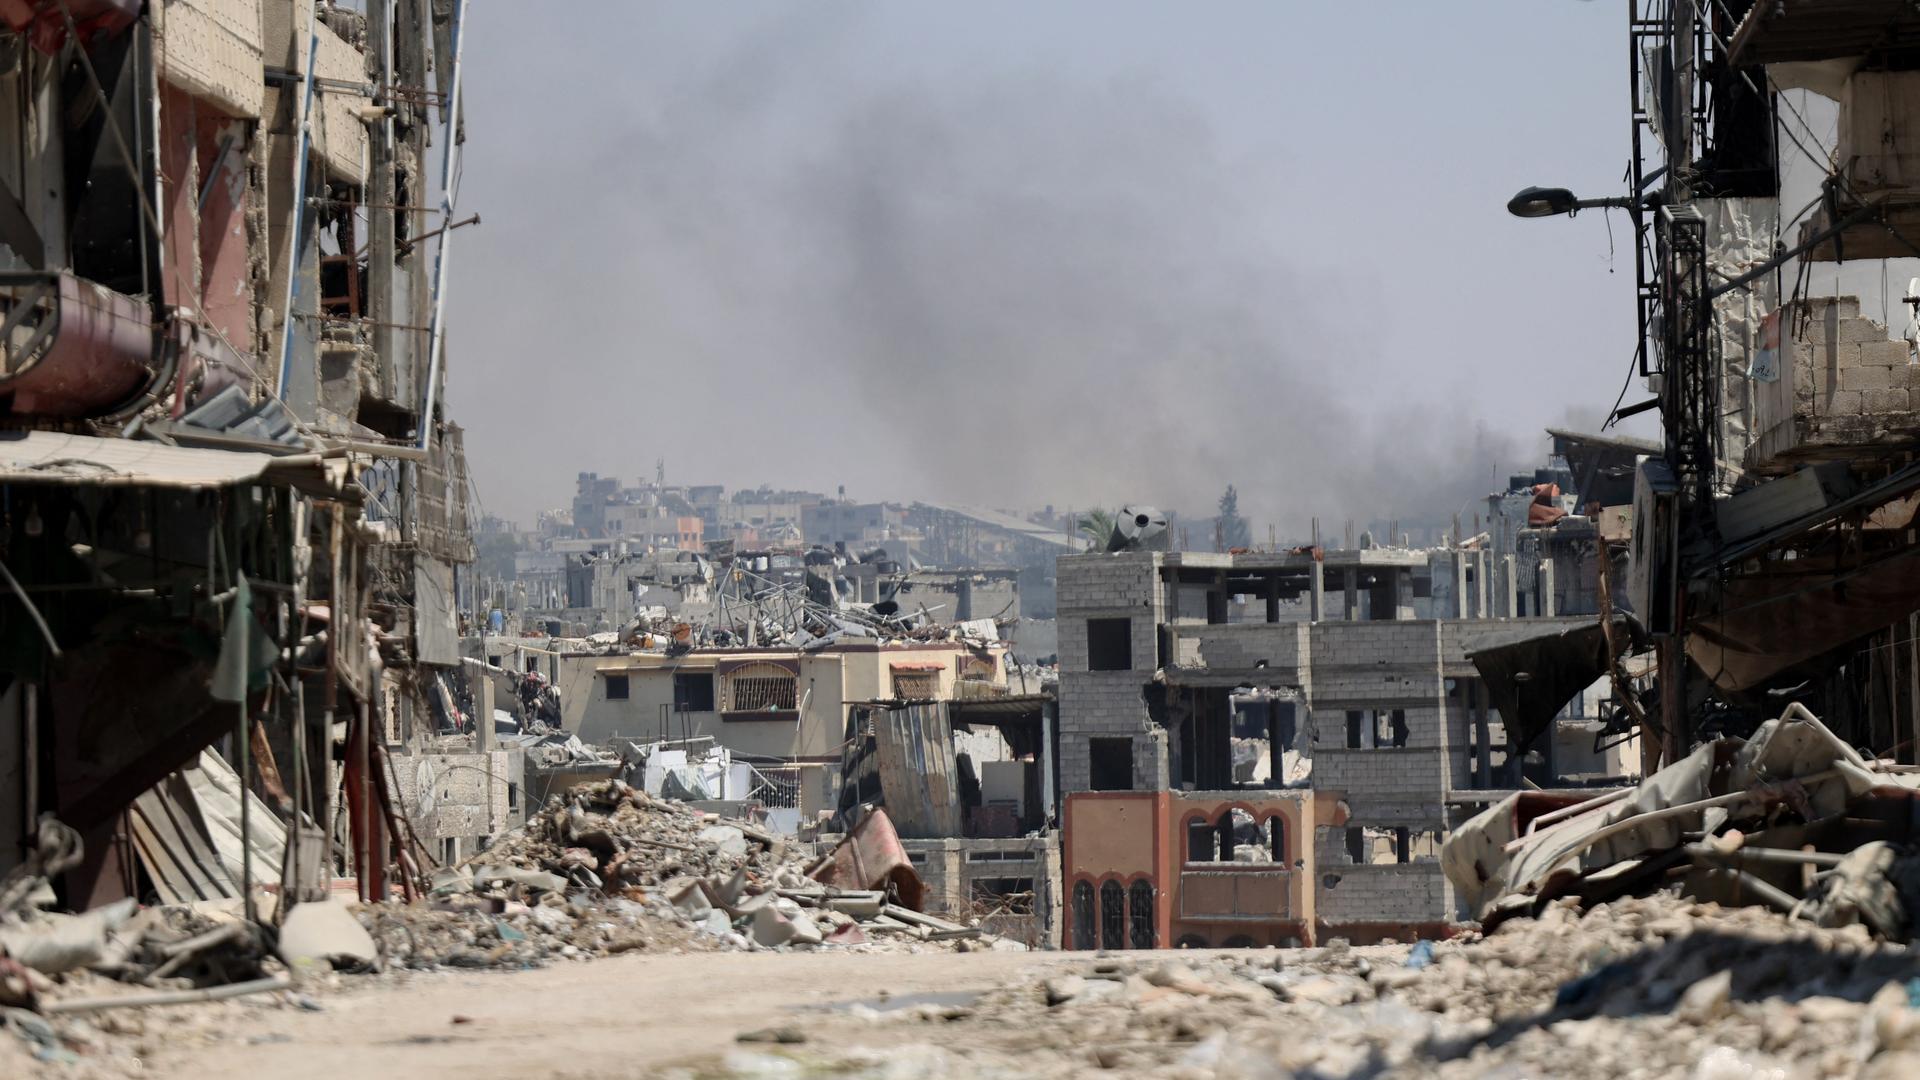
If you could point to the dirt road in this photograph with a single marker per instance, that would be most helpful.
(613, 1017)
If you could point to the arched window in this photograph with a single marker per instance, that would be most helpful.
(1277, 838)
(1140, 914)
(1113, 916)
(1083, 916)
(1200, 841)
(1242, 839)
(1238, 941)
(1191, 941)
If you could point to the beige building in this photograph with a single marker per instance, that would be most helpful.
(784, 708)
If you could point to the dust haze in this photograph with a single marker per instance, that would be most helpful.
(1009, 288)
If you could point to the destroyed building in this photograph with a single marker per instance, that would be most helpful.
(1350, 673)
(241, 499)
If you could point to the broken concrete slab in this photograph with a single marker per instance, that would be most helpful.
(325, 934)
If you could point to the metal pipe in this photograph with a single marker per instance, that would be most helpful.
(170, 997)
(1822, 859)
(296, 238)
(1767, 891)
(449, 197)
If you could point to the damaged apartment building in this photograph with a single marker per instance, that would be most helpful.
(235, 502)
(1258, 748)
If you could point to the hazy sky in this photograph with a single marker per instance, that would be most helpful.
(1012, 254)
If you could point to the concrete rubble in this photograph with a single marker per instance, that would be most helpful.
(617, 870)
(608, 871)
(1646, 986)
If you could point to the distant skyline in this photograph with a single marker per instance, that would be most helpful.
(1008, 254)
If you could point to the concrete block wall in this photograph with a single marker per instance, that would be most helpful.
(1280, 647)
(1371, 664)
(1413, 892)
(462, 796)
(1835, 368)
(1108, 703)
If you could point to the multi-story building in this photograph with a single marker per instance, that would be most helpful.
(1180, 672)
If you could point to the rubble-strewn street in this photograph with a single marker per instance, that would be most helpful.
(1653, 987)
(780, 540)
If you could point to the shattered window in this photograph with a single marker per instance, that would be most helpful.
(1113, 916)
(1140, 914)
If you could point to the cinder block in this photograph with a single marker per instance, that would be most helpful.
(1841, 403)
(1877, 402)
(1892, 354)
(1867, 377)
(1860, 330)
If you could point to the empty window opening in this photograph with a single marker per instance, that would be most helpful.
(1242, 839)
(1277, 839)
(1004, 896)
(1140, 915)
(1354, 730)
(1380, 846)
(1083, 916)
(513, 795)
(617, 688)
(692, 691)
(1113, 916)
(1110, 762)
(1390, 727)
(1109, 644)
(1201, 837)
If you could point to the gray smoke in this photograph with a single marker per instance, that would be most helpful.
(1021, 290)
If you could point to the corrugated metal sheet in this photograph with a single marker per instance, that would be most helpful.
(186, 830)
(50, 457)
(918, 779)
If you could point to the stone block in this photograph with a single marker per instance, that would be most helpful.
(1859, 330)
(1841, 403)
(1877, 402)
(1867, 377)
(1892, 354)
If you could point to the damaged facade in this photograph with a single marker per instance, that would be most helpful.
(238, 501)
(1267, 747)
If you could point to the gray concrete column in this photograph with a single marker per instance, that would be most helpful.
(1352, 578)
(1509, 588)
(1546, 606)
(1461, 608)
(1318, 600)
(1480, 566)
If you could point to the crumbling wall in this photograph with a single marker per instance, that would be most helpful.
(1835, 383)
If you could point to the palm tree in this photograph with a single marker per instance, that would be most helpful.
(1097, 527)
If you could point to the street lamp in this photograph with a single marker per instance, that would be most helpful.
(1538, 202)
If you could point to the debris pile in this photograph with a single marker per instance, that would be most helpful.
(1793, 818)
(1644, 986)
(614, 870)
